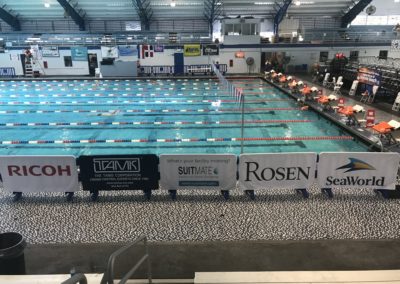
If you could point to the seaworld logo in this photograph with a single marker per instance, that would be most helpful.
(356, 165)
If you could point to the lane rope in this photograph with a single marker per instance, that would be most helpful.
(116, 111)
(174, 140)
(220, 122)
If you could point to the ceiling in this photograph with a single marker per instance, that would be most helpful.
(188, 9)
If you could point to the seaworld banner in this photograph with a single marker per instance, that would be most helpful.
(128, 50)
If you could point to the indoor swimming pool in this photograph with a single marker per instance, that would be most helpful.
(87, 117)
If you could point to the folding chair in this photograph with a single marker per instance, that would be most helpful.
(374, 91)
(386, 130)
(331, 85)
(326, 78)
(353, 88)
(337, 87)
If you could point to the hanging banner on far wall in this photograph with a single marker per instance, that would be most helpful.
(369, 76)
(158, 48)
(127, 50)
(109, 51)
(191, 50)
(50, 51)
(395, 45)
(210, 49)
(217, 172)
(79, 53)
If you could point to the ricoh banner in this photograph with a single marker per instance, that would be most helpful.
(358, 170)
(113, 172)
(198, 172)
(39, 173)
(283, 170)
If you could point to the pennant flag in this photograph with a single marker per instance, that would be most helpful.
(145, 51)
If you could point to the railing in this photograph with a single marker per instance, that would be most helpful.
(108, 277)
(187, 69)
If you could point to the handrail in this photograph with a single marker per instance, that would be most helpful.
(76, 278)
(108, 277)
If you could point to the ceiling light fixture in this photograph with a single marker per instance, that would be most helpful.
(173, 3)
(297, 3)
(47, 5)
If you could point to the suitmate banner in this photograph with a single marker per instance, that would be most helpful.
(191, 50)
(358, 170)
(39, 173)
(119, 172)
(369, 76)
(198, 172)
(283, 170)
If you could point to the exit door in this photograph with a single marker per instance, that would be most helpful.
(178, 63)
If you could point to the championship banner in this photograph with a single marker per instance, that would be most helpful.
(191, 50)
(79, 53)
(283, 170)
(109, 51)
(369, 76)
(158, 48)
(50, 51)
(358, 170)
(39, 173)
(210, 49)
(127, 50)
(114, 172)
(216, 172)
(395, 45)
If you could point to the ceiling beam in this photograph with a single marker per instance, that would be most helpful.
(353, 12)
(144, 12)
(281, 10)
(10, 19)
(75, 16)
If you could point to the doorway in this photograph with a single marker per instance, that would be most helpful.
(178, 63)
(93, 64)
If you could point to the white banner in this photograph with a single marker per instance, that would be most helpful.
(50, 51)
(39, 173)
(109, 51)
(395, 45)
(198, 172)
(283, 170)
(358, 170)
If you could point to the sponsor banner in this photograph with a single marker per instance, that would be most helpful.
(198, 172)
(395, 45)
(50, 51)
(358, 170)
(113, 172)
(79, 53)
(109, 52)
(369, 76)
(128, 50)
(210, 49)
(39, 173)
(158, 48)
(283, 170)
(191, 50)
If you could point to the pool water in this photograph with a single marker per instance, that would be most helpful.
(156, 116)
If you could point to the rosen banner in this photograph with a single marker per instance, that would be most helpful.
(198, 171)
(191, 50)
(369, 76)
(291, 170)
(50, 51)
(79, 53)
(210, 49)
(128, 172)
(358, 170)
(39, 173)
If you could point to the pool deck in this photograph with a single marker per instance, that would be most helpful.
(367, 135)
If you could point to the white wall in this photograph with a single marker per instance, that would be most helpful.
(11, 59)
(56, 65)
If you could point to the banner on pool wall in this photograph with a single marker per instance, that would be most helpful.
(210, 49)
(369, 76)
(358, 170)
(198, 172)
(128, 50)
(263, 171)
(39, 173)
(50, 51)
(79, 53)
(191, 50)
(113, 172)
(395, 45)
